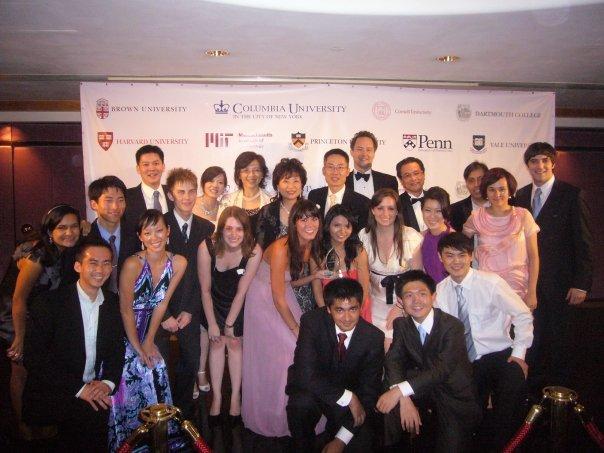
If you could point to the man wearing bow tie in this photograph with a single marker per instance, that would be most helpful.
(363, 179)
(411, 174)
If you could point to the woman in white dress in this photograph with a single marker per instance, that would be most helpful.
(392, 249)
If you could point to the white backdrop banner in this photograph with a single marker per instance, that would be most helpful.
(202, 125)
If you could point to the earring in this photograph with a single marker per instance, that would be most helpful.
(168, 241)
(50, 239)
(142, 246)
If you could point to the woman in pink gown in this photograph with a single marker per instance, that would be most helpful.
(345, 255)
(507, 236)
(275, 301)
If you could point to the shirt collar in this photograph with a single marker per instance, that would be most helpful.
(338, 193)
(427, 324)
(182, 221)
(466, 283)
(106, 234)
(348, 333)
(421, 195)
(546, 188)
(100, 298)
(148, 190)
(368, 172)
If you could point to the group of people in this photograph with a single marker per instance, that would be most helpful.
(327, 310)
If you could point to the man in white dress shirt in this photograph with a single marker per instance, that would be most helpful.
(488, 307)
(74, 354)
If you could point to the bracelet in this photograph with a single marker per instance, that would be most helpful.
(229, 326)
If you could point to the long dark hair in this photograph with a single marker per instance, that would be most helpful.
(302, 208)
(399, 223)
(49, 222)
(352, 244)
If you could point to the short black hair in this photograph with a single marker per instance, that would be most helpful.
(367, 134)
(494, 175)
(336, 152)
(538, 148)
(287, 168)
(243, 160)
(342, 288)
(414, 276)
(149, 217)
(457, 241)
(409, 160)
(473, 167)
(88, 243)
(442, 196)
(149, 149)
(101, 185)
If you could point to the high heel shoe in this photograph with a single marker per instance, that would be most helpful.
(203, 388)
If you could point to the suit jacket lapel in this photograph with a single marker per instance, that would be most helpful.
(75, 317)
(415, 345)
(552, 202)
(408, 209)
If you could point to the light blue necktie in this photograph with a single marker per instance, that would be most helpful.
(463, 315)
(537, 204)
(156, 203)
(422, 334)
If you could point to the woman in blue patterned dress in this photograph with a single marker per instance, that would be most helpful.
(147, 282)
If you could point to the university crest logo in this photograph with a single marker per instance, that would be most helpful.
(105, 139)
(102, 108)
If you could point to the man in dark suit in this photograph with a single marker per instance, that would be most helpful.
(335, 169)
(187, 231)
(461, 210)
(566, 264)
(412, 175)
(150, 193)
(74, 354)
(427, 364)
(363, 179)
(107, 199)
(337, 372)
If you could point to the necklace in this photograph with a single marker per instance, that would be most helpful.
(284, 208)
(253, 197)
(206, 211)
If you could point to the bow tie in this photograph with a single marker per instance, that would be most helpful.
(364, 176)
(415, 200)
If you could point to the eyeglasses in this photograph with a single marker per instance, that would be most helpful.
(336, 168)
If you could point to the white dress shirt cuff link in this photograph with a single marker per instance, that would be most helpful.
(80, 391)
(345, 398)
(519, 351)
(110, 384)
(405, 388)
(344, 435)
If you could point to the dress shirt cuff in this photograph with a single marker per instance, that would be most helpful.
(344, 435)
(405, 388)
(582, 290)
(345, 398)
(519, 351)
(110, 384)
(80, 391)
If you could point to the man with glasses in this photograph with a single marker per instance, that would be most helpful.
(411, 174)
(363, 179)
(335, 170)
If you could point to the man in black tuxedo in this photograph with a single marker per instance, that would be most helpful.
(107, 199)
(150, 193)
(461, 210)
(335, 169)
(363, 179)
(337, 372)
(187, 231)
(566, 264)
(427, 364)
(412, 175)
(74, 354)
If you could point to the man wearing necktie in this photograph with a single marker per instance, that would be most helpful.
(566, 265)
(107, 199)
(487, 307)
(335, 171)
(363, 179)
(150, 193)
(427, 368)
(182, 316)
(337, 372)
(411, 174)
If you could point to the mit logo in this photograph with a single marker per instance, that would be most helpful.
(218, 139)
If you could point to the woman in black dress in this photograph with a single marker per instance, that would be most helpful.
(227, 263)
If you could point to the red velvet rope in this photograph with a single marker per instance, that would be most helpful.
(595, 434)
(524, 430)
(201, 446)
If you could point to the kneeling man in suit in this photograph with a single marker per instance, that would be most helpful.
(337, 372)
(74, 354)
(427, 365)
